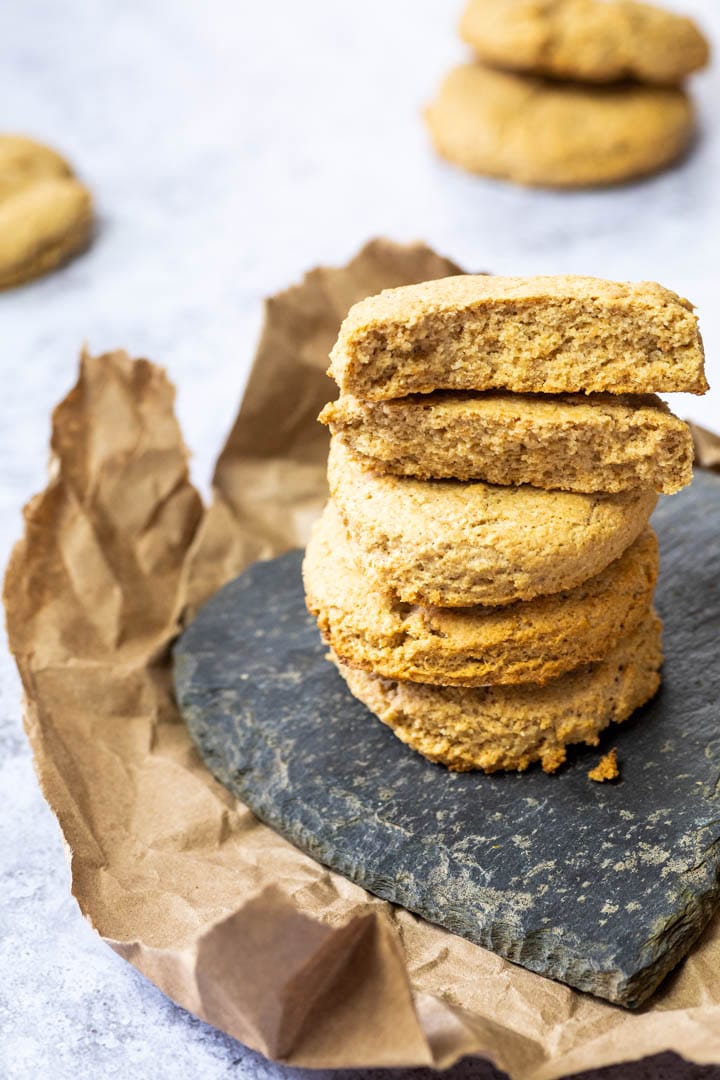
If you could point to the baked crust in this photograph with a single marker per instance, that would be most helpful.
(526, 642)
(495, 728)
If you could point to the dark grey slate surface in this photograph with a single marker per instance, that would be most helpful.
(604, 887)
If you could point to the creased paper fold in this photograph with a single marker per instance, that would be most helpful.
(220, 912)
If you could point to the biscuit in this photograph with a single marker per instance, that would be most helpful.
(529, 335)
(527, 642)
(583, 443)
(509, 727)
(45, 213)
(557, 135)
(452, 543)
(22, 161)
(589, 40)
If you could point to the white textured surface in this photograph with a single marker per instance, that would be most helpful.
(230, 147)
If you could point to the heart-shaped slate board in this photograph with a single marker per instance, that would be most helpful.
(602, 886)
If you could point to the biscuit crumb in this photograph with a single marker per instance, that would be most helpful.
(606, 768)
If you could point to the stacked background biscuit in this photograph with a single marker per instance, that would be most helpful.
(484, 569)
(570, 92)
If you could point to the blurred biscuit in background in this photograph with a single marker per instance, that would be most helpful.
(549, 134)
(569, 93)
(590, 40)
(46, 214)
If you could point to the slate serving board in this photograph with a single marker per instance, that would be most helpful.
(602, 886)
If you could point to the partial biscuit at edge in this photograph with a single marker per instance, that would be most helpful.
(583, 443)
(587, 40)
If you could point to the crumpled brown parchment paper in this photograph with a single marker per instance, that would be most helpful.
(219, 911)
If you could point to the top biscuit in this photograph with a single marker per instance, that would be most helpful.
(590, 40)
(528, 335)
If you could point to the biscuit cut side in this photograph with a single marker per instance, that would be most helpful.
(579, 443)
(557, 135)
(450, 543)
(528, 335)
(494, 728)
(588, 40)
(532, 642)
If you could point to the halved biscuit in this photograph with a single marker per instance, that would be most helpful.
(548, 335)
(595, 442)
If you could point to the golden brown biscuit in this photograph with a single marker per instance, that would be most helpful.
(595, 442)
(589, 40)
(45, 214)
(530, 335)
(449, 543)
(526, 642)
(22, 161)
(548, 134)
(509, 727)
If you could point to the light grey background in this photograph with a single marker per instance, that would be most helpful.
(230, 147)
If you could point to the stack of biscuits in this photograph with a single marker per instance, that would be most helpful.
(569, 93)
(484, 570)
